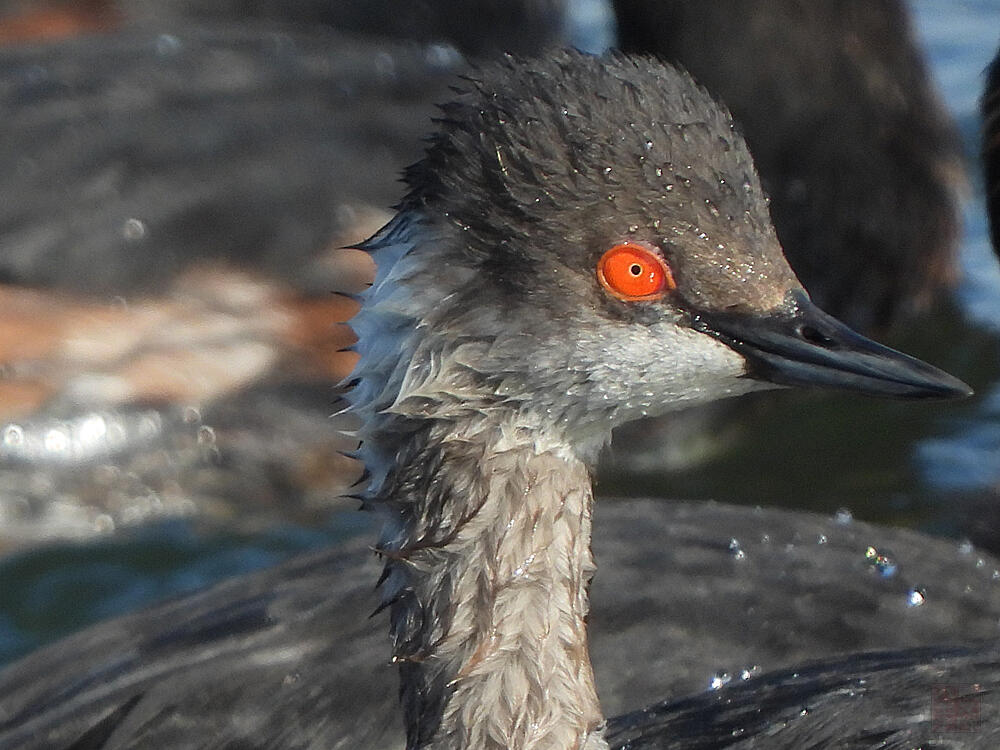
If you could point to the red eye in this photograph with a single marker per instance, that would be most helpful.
(632, 272)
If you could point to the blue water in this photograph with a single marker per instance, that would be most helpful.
(903, 477)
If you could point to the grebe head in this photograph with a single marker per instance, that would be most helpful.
(590, 244)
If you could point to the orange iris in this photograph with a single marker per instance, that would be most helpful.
(632, 272)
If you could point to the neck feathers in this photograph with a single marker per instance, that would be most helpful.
(487, 533)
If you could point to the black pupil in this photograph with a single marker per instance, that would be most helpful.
(635, 269)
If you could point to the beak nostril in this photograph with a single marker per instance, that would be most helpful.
(813, 336)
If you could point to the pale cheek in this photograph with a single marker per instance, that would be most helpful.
(659, 370)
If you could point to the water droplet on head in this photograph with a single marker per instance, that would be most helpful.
(821, 539)
(916, 597)
(965, 547)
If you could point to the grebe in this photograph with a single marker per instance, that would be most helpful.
(584, 243)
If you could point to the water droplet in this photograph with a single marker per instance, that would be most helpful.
(633, 228)
(821, 539)
(13, 436)
(93, 429)
(57, 440)
(134, 230)
(882, 561)
(916, 597)
(736, 550)
(965, 547)
(843, 516)
(719, 679)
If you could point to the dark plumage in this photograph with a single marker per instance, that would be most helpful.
(172, 676)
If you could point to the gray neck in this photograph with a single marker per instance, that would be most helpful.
(488, 575)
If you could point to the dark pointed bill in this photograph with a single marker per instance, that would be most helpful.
(803, 346)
